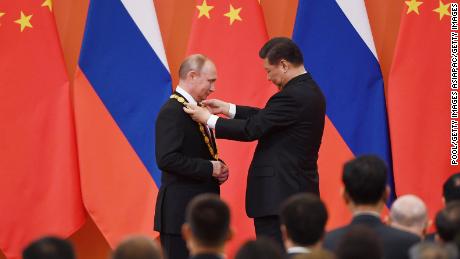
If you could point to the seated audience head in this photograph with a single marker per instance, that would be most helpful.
(409, 213)
(364, 179)
(315, 254)
(451, 188)
(261, 248)
(431, 250)
(137, 247)
(303, 218)
(447, 222)
(49, 248)
(207, 224)
(360, 242)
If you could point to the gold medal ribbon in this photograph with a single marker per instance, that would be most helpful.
(202, 129)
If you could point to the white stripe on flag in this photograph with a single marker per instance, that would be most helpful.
(144, 15)
(355, 11)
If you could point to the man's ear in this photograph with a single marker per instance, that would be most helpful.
(345, 195)
(386, 194)
(186, 231)
(284, 232)
(230, 234)
(284, 65)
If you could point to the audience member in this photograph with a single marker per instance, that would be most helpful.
(359, 242)
(447, 223)
(207, 227)
(49, 248)
(303, 218)
(450, 193)
(430, 250)
(365, 194)
(451, 188)
(409, 213)
(315, 254)
(261, 248)
(137, 247)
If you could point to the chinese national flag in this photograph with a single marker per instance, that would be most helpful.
(419, 93)
(39, 186)
(231, 34)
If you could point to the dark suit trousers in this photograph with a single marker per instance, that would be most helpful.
(269, 226)
(174, 246)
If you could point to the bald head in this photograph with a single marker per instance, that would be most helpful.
(137, 247)
(409, 213)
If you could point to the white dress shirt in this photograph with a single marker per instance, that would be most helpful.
(213, 119)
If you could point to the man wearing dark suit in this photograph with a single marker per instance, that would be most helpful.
(186, 153)
(289, 129)
(207, 227)
(365, 194)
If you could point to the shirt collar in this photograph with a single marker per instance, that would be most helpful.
(298, 250)
(370, 213)
(186, 95)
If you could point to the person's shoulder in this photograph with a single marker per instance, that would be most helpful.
(332, 237)
(171, 109)
(398, 234)
(337, 231)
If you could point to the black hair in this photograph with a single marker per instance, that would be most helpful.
(280, 48)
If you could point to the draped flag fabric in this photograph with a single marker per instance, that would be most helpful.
(419, 101)
(122, 81)
(339, 52)
(231, 34)
(39, 184)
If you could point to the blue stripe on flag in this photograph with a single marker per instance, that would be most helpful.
(349, 75)
(127, 75)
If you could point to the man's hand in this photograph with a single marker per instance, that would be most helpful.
(220, 171)
(216, 106)
(198, 114)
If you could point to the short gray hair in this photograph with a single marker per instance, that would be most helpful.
(193, 62)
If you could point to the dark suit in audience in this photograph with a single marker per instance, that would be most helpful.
(395, 242)
(365, 194)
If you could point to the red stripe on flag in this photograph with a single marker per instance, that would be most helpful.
(118, 191)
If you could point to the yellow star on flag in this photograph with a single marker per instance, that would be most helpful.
(49, 4)
(443, 9)
(24, 21)
(233, 14)
(204, 9)
(413, 6)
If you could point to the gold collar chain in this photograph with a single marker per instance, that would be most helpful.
(202, 129)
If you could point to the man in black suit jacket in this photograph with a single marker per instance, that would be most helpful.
(186, 153)
(207, 227)
(365, 193)
(289, 129)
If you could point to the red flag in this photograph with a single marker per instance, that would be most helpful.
(39, 187)
(419, 94)
(231, 34)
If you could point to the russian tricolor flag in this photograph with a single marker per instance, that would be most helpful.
(338, 48)
(122, 81)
